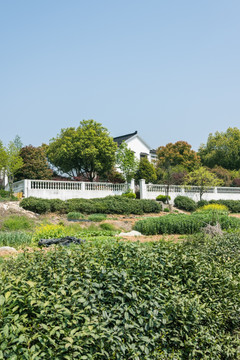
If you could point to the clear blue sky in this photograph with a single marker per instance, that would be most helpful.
(169, 69)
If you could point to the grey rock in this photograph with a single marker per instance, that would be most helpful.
(8, 248)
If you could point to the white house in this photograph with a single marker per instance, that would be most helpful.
(137, 145)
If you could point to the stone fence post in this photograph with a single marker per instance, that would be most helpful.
(143, 189)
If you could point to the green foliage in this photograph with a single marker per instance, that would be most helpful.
(16, 222)
(16, 239)
(146, 170)
(115, 177)
(97, 217)
(163, 198)
(166, 210)
(75, 215)
(232, 205)
(184, 224)
(6, 196)
(108, 205)
(35, 165)
(129, 194)
(106, 226)
(119, 300)
(87, 151)
(126, 161)
(185, 203)
(201, 203)
(222, 149)
(216, 208)
(176, 154)
(204, 179)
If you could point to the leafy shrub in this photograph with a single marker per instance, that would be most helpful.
(232, 205)
(177, 301)
(129, 195)
(184, 224)
(97, 217)
(40, 206)
(166, 210)
(214, 208)
(163, 198)
(15, 222)
(57, 205)
(106, 226)
(51, 231)
(107, 205)
(4, 193)
(201, 203)
(74, 216)
(185, 203)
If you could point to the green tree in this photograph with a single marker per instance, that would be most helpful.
(13, 163)
(176, 154)
(222, 149)
(126, 161)
(35, 165)
(146, 171)
(202, 178)
(3, 157)
(87, 151)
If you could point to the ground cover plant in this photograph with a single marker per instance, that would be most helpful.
(184, 224)
(16, 239)
(7, 196)
(107, 205)
(97, 217)
(116, 300)
(16, 222)
(74, 215)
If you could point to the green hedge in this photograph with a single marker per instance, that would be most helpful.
(122, 301)
(232, 205)
(183, 223)
(107, 205)
(185, 203)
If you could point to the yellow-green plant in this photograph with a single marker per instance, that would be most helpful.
(214, 207)
(50, 231)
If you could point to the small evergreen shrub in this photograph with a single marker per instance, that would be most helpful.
(97, 217)
(106, 226)
(74, 216)
(201, 203)
(185, 203)
(163, 198)
(166, 210)
(37, 205)
(232, 205)
(129, 194)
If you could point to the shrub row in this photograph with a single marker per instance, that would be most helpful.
(107, 205)
(123, 301)
(184, 224)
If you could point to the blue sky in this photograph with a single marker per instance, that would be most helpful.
(169, 69)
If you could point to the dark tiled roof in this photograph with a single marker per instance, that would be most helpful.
(153, 151)
(120, 139)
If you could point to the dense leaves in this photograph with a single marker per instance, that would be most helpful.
(122, 301)
(146, 170)
(185, 224)
(107, 205)
(185, 203)
(35, 165)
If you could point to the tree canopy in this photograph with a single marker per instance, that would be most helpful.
(146, 171)
(35, 165)
(179, 153)
(222, 149)
(86, 151)
(126, 161)
(202, 178)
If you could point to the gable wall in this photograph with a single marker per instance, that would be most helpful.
(138, 147)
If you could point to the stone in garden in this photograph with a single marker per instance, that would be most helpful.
(130, 233)
(8, 249)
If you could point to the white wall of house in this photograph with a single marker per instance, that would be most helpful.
(139, 147)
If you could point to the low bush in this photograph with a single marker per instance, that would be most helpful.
(75, 216)
(97, 217)
(15, 222)
(185, 203)
(106, 226)
(166, 210)
(184, 224)
(107, 205)
(214, 208)
(201, 203)
(129, 194)
(163, 198)
(119, 300)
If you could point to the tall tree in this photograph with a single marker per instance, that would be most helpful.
(179, 153)
(13, 163)
(202, 178)
(222, 149)
(126, 161)
(3, 157)
(87, 151)
(146, 170)
(35, 165)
